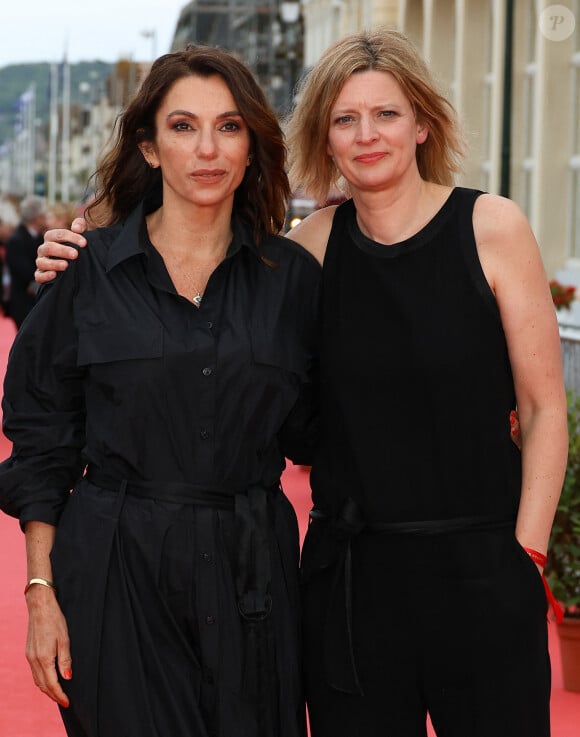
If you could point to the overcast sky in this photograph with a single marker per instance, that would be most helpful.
(42, 30)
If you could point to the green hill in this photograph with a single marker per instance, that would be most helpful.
(17, 78)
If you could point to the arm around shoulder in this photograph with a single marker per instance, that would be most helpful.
(57, 250)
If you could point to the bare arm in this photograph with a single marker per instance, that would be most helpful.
(54, 254)
(512, 264)
(313, 232)
(47, 642)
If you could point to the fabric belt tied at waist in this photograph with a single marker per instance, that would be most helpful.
(178, 492)
(252, 571)
(335, 549)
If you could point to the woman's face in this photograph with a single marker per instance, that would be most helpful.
(202, 144)
(373, 132)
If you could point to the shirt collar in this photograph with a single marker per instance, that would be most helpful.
(129, 241)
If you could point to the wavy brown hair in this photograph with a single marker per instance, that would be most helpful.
(123, 177)
(384, 50)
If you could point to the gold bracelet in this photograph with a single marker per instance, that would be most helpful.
(42, 582)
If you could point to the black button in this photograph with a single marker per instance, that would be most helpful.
(210, 324)
(207, 557)
(210, 620)
(207, 371)
(204, 435)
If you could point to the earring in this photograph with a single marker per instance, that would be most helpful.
(151, 164)
(249, 160)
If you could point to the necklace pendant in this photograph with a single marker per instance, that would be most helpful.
(197, 299)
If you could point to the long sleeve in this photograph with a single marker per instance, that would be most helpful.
(300, 432)
(43, 409)
(299, 435)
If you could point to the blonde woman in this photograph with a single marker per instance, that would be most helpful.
(422, 589)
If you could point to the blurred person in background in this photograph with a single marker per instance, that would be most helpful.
(21, 256)
(8, 222)
(61, 214)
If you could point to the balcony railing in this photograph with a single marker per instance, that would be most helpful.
(570, 342)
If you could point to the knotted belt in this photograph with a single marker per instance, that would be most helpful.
(334, 549)
(252, 576)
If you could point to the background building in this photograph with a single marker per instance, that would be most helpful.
(267, 34)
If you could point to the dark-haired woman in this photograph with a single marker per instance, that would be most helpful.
(162, 591)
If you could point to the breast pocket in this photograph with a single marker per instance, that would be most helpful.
(110, 343)
(289, 358)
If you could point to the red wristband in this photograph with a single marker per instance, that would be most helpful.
(541, 559)
(538, 558)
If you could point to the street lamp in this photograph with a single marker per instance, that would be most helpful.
(290, 15)
(152, 34)
(290, 11)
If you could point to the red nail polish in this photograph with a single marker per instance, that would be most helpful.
(67, 674)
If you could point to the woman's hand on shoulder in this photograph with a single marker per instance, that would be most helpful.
(312, 233)
(53, 255)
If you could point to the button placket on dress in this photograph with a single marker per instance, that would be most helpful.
(207, 602)
(206, 358)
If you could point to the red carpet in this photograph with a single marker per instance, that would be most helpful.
(25, 712)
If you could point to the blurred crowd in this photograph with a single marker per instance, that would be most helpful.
(23, 223)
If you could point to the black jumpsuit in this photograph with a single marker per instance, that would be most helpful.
(417, 596)
(176, 555)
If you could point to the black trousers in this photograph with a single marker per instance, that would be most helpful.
(453, 625)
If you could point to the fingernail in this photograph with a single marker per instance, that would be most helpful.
(67, 674)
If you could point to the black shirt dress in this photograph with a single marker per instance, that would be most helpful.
(176, 553)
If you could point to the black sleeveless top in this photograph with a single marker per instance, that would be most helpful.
(415, 376)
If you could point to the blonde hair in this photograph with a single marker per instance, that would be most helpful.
(61, 214)
(384, 50)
